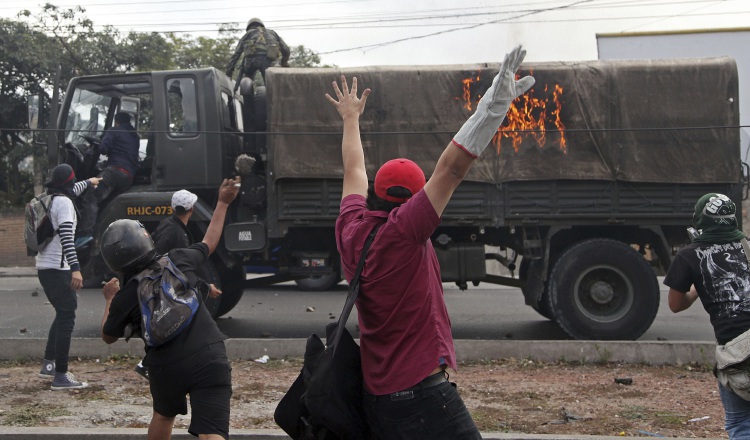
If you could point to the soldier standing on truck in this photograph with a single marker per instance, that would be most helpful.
(405, 332)
(260, 48)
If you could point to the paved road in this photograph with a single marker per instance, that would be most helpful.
(484, 312)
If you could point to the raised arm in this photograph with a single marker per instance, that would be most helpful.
(477, 132)
(227, 192)
(350, 108)
(229, 69)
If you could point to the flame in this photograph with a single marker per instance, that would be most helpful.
(467, 92)
(529, 116)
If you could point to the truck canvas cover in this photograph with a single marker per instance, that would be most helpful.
(661, 121)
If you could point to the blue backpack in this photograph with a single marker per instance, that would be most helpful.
(168, 303)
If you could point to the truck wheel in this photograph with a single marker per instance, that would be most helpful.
(603, 289)
(212, 277)
(93, 269)
(319, 283)
(531, 272)
(232, 287)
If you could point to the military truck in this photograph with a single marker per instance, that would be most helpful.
(584, 195)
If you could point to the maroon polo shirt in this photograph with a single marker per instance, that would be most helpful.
(405, 331)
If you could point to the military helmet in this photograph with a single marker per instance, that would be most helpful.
(253, 21)
(127, 246)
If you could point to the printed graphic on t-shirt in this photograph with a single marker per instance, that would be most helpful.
(726, 277)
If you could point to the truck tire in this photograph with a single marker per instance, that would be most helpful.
(531, 272)
(319, 283)
(212, 277)
(93, 269)
(259, 107)
(603, 289)
(232, 287)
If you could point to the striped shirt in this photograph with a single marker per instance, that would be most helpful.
(60, 253)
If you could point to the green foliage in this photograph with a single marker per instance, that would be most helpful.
(194, 53)
(24, 66)
(304, 57)
(33, 46)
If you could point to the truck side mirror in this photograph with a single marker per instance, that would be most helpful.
(35, 105)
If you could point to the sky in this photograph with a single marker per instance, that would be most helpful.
(352, 33)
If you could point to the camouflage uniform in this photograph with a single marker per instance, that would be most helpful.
(260, 48)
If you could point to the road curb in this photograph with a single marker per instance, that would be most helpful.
(633, 352)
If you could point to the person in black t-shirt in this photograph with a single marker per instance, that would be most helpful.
(173, 233)
(193, 363)
(715, 269)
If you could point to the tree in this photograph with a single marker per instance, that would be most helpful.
(304, 57)
(85, 51)
(25, 60)
(201, 52)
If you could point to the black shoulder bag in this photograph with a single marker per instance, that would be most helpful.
(325, 401)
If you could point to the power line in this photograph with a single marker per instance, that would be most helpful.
(383, 23)
(119, 3)
(401, 20)
(405, 15)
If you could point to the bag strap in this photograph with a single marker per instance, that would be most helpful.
(746, 247)
(351, 297)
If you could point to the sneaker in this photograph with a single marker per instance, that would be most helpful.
(48, 369)
(140, 369)
(66, 381)
(82, 241)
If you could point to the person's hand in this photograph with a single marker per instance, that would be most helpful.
(505, 88)
(478, 131)
(213, 291)
(347, 103)
(95, 181)
(76, 281)
(229, 189)
(111, 288)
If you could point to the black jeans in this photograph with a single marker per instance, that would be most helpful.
(114, 182)
(426, 414)
(56, 285)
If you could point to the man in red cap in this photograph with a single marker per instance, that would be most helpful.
(405, 331)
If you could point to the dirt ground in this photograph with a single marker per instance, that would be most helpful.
(519, 396)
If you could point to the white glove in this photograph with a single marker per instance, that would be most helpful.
(478, 130)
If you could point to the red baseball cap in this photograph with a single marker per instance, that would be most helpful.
(398, 172)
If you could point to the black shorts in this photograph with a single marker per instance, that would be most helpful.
(207, 376)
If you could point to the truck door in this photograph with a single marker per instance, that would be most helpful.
(182, 160)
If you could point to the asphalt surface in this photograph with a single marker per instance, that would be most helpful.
(650, 352)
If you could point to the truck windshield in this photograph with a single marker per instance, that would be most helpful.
(86, 116)
(94, 104)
